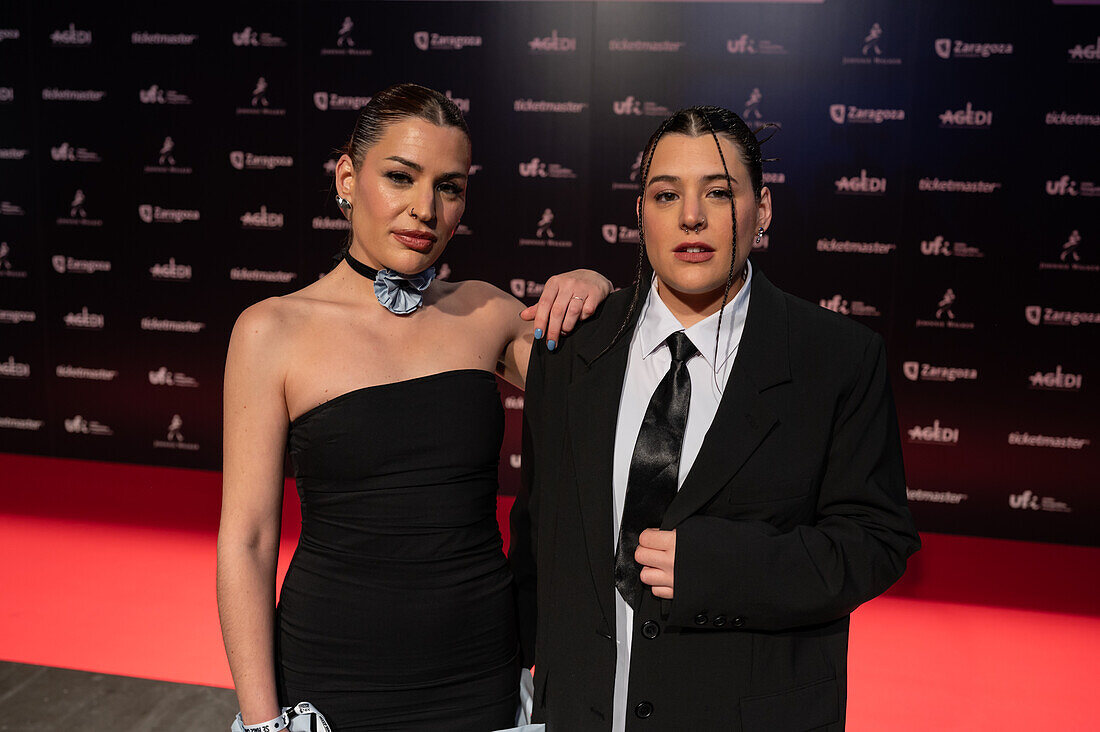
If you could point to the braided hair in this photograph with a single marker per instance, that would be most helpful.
(696, 122)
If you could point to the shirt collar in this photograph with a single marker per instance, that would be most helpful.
(657, 323)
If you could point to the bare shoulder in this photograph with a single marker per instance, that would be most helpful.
(481, 294)
(266, 331)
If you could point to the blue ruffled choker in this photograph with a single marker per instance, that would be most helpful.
(398, 293)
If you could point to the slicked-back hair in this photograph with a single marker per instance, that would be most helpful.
(697, 122)
(393, 104)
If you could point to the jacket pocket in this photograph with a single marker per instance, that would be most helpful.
(804, 708)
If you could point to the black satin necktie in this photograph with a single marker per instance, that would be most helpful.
(655, 465)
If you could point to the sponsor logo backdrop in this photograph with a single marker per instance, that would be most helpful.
(162, 167)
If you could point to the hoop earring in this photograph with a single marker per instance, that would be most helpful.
(344, 204)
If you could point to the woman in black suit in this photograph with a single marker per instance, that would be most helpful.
(712, 471)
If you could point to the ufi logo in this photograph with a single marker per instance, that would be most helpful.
(1064, 186)
(630, 105)
(836, 303)
(1027, 500)
(533, 169)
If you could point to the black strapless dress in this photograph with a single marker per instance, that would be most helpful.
(397, 611)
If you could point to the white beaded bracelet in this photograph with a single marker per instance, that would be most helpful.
(274, 725)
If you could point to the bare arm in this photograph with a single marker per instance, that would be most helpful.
(255, 424)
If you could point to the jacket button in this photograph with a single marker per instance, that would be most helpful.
(651, 630)
(643, 710)
(720, 621)
(738, 622)
(700, 619)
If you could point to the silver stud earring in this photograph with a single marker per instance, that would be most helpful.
(759, 234)
(344, 204)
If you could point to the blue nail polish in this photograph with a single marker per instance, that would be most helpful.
(538, 333)
(551, 345)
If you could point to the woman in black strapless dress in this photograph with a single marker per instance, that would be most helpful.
(397, 611)
(399, 596)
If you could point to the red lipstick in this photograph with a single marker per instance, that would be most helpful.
(693, 251)
(416, 239)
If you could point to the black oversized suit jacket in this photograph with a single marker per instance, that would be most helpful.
(792, 515)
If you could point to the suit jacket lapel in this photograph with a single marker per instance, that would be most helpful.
(743, 418)
(593, 417)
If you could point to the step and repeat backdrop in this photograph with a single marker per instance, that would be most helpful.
(938, 179)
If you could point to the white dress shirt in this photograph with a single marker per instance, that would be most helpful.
(647, 363)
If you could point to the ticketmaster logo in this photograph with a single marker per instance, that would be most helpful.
(623, 44)
(20, 423)
(171, 326)
(923, 496)
(65, 371)
(260, 275)
(540, 105)
(72, 95)
(145, 38)
(855, 247)
(326, 223)
(957, 186)
(1073, 119)
(1026, 439)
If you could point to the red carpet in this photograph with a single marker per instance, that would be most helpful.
(110, 568)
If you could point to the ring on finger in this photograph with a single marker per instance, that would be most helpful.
(578, 297)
